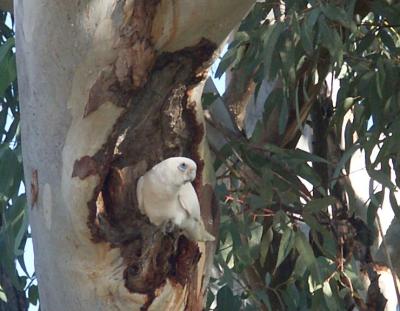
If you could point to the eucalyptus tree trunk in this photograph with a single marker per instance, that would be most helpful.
(108, 89)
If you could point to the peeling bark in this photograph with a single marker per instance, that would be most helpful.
(84, 167)
(34, 188)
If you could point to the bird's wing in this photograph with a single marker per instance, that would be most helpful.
(188, 200)
(139, 194)
(193, 226)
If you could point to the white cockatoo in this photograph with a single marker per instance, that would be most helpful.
(165, 194)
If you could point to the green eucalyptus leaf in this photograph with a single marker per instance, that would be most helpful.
(307, 37)
(19, 232)
(365, 42)
(307, 156)
(3, 296)
(33, 294)
(337, 14)
(274, 99)
(388, 41)
(342, 162)
(265, 244)
(304, 249)
(373, 209)
(227, 60)
(320, 204)
(210, 298)
(285, 246)
(270, 45)
(8, 166)
(394, 204)
(8, 72)
(382, 178)
(5, 48)
(12, 131)
(283, 117)
(226, 301)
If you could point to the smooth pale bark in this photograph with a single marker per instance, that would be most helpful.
(62, 48)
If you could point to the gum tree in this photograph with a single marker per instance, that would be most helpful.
(107, 90)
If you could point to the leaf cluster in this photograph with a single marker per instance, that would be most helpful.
(291, 229)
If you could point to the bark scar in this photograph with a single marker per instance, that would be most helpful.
(101, 91)
(84, 167)
(34, 188)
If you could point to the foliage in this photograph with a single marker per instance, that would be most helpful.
(13, 205)
(285, 245)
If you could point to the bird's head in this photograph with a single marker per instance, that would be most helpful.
(188, 168)
(181, 170)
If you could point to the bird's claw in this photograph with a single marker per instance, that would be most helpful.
(167, 227)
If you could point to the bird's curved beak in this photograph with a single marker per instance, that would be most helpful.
(192, 174)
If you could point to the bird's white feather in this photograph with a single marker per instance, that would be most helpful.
(165, 194)
(188, 199)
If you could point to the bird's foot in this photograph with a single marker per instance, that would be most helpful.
(167, 227)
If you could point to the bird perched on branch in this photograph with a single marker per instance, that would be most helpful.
(165, 194)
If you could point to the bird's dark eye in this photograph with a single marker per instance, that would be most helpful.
(182, 167)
